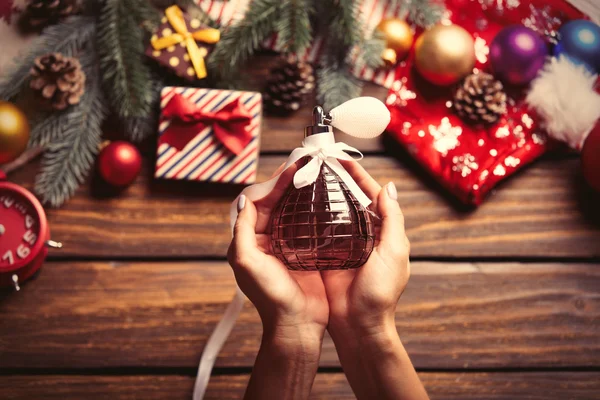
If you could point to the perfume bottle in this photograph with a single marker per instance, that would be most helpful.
(321, 226)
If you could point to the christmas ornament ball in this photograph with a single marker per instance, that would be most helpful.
(398, 36)
(389, 57)
(589, 158)
(516, 54)
(119, 163)
(445, 54)
(14, 132)
(580, 41)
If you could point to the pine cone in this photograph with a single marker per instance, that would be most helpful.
(288, 86)
(480, 99)
(42, 13)
(58, 80)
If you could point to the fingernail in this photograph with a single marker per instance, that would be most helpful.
(391, 191)
(241, 203)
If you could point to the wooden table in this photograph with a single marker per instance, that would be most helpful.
(503, 303)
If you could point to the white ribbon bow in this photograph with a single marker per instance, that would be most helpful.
(322, 148)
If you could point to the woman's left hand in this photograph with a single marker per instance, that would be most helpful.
(292, 304)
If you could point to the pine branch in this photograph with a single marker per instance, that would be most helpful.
(48, 128)
(423, 13)
(144, 14)
(125, 77)
(240, 41)
(345, 27)
(66, 38)
(293, 27)
(140, 128)
(370, 54)
(336, 84)
(68, 160)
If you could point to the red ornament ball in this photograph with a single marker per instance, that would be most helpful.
(119, 163)
(590, 158)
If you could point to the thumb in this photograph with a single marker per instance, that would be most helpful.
(392, 220)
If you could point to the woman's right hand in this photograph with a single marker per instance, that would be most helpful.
(362, 305)
(364, 300)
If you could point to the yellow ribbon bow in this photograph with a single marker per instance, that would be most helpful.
(209, 35)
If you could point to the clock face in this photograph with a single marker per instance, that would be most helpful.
(20, 228)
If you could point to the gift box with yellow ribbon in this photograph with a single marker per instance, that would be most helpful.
(182, 43)
(208, 135)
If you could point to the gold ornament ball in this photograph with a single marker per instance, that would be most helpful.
(14, 132)
(445, 54)
(398, 36)
(389, 57)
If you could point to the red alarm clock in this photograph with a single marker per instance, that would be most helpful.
(24, 234)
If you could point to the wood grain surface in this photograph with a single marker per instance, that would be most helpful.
(334, 386)
(461, 316)
(545, 212)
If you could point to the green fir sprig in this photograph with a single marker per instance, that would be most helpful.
(240, 41)
(66, 38)
(423, 13)
(68, 158)
(126, 77)
(293, 27)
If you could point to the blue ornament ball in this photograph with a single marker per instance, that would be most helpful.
(580, 41)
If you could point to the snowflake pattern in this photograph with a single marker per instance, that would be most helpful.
(543, 22)
(481, 50)
(445, 136)
(511, 161)
(464, 164)
(499, 5)
(401, 94)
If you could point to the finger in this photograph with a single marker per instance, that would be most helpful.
(266, 205)
(244, 248)
(392, 219)
(362, 178)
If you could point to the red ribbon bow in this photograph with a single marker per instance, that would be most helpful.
(187, 120)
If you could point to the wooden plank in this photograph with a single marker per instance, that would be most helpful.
(444, 386)
(544, 212)
(491, 315)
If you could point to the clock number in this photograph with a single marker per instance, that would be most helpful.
(8, 256)
(23, 251)
(28, 221)
(8, 202)
(29, 237)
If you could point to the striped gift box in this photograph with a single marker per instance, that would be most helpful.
(204, 158)
(371, 13)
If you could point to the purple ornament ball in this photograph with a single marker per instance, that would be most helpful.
(516, 54)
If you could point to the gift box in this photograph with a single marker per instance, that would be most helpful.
(181, 44)
(208, 135)
(470, 160)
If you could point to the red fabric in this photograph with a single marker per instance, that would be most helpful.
(468, 160)
(187, 120)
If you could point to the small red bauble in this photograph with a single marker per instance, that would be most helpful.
(590, 158)
(119, 163)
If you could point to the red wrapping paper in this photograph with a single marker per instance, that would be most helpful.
(470, 160)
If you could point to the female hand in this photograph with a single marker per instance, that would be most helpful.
(364, 300)
(291, 304)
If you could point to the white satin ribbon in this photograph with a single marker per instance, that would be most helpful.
(322, 148)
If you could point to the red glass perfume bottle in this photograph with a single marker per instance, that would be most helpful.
(321, 226)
